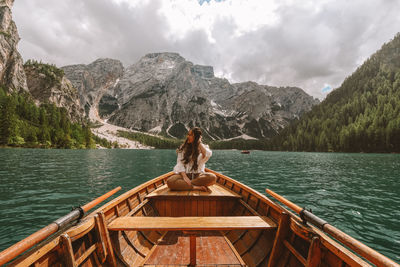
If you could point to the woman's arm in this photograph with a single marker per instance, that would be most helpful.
(202, 149)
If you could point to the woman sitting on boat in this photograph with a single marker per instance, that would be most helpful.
(190, 165)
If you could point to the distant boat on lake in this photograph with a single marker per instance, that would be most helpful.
(245, 152)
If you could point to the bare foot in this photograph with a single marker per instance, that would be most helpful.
(201, 188)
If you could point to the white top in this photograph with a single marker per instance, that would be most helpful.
(201, 162)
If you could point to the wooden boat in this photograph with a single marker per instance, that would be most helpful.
(231, 225)
(245, 152)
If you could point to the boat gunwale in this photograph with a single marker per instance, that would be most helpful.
(341, 251)
(249, 190)
(114, 202)
(344, 253)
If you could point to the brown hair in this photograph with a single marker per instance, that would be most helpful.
(191, 150)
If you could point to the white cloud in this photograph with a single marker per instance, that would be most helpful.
(283, 43)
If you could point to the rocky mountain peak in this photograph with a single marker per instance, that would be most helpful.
(205, 72)
(12, 75)
(164, 93)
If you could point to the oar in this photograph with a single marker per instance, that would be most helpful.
(363, 250)
(25, 244)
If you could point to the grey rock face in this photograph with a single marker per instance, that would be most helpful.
(165, 93)
(268, 109)
(57, 90)
(12, 75)
(95, 80)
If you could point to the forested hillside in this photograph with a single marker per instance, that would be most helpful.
(23, 124)
(362, 115)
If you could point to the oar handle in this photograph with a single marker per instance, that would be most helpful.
(28, 242)
(98, 200)
(365, 251)
(288, 203)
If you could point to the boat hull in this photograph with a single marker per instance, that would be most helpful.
(288, 242)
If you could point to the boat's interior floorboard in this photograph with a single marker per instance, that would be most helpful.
(215, 190)
(212, 249)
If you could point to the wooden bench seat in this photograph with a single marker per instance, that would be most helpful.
(190, 223)
(193, 226)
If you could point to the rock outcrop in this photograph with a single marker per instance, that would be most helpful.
(47, 83)
(95, 81)
(12, 75)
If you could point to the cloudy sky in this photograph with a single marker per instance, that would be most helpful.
(312, 44)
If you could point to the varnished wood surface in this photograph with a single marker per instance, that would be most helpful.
(215, 190)
(188, 223)
(211, 249)
(228, 197)
(194, 206)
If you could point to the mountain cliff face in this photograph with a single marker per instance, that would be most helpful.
(95, 83)
(47, 83)
(165, 93)
(12, 75)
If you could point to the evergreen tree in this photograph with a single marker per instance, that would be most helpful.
(7, 120)
(361, 115)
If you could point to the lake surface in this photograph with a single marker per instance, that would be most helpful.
(358, 193)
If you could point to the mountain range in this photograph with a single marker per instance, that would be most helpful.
(165, 94)
(162, 93)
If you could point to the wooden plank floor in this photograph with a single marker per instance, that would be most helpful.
(214, 191)
(211, 249)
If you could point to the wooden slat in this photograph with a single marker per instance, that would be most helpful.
(222, 179)
(192, 248)
(86, 254)
(234, 250)
(255, 213)
(108, 207)
(337, 249)
(212, 249)
(188, 223)
(69, 257)
(215, 190)
(162, 190)
(26, 261)
(213, 208)
(314, 253)
(105, 239)
(295, 252)
(283, 230)
(200, 208)
(137, 208)
(152, 250)
(188, 208)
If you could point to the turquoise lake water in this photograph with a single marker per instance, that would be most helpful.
(358, 193)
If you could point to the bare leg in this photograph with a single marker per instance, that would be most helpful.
(205, 179)
(176, 182)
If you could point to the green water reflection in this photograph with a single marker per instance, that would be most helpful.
(358, 193)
